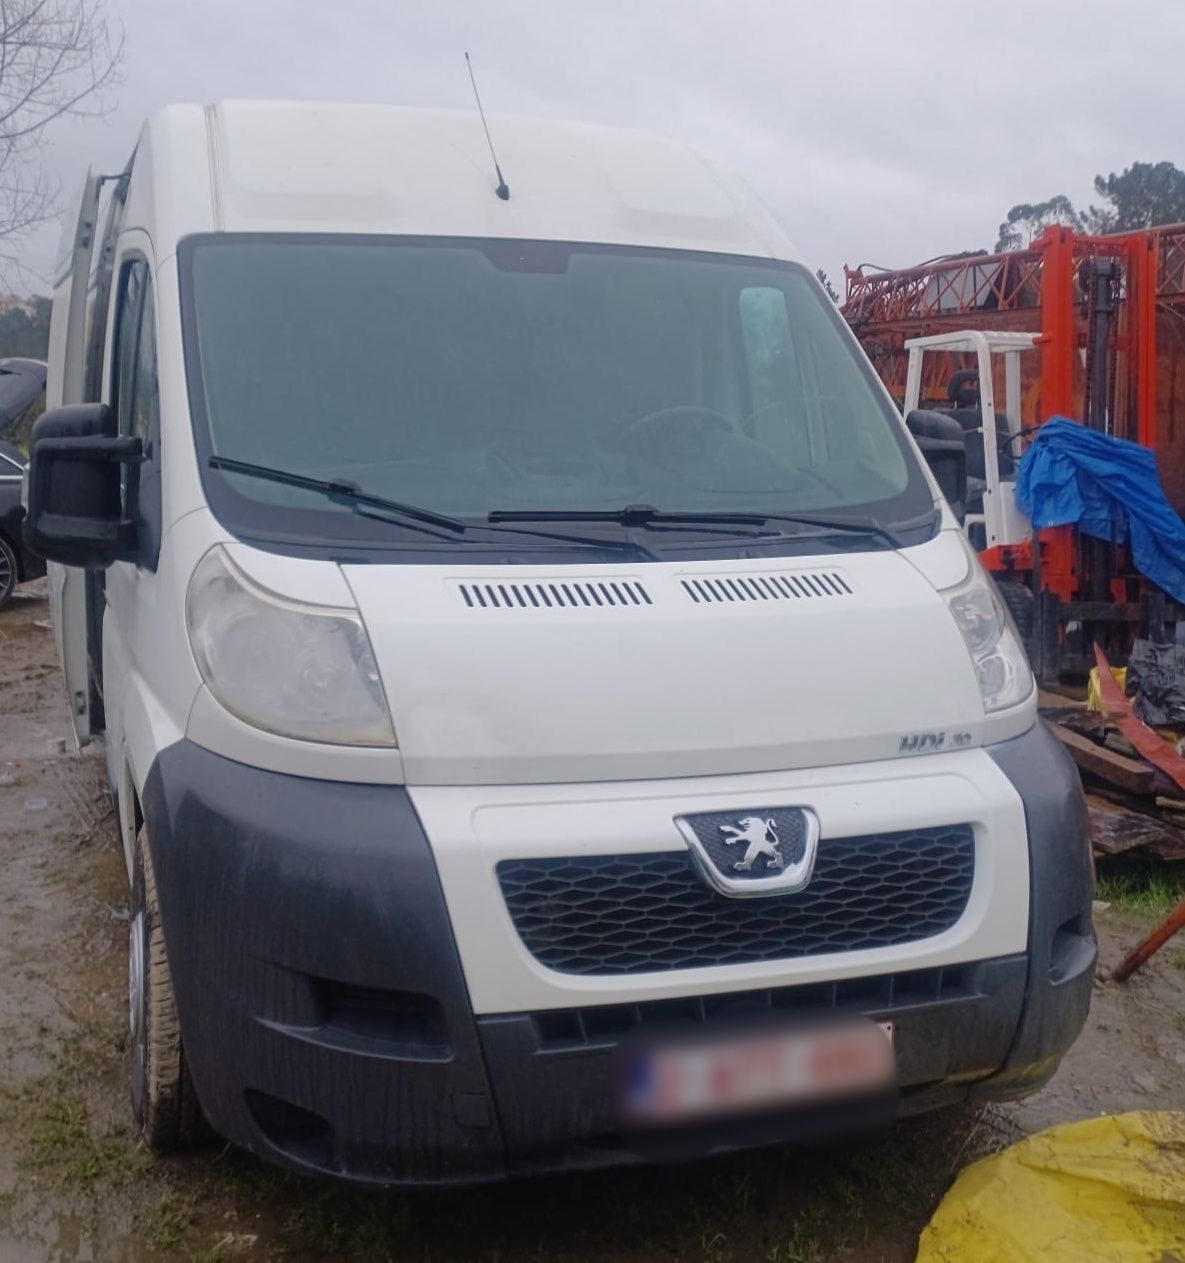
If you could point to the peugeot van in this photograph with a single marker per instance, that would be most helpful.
(552, 709)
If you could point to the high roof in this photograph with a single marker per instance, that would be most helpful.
(255, 166)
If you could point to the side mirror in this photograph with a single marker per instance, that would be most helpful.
(75, 512)
(941, 439)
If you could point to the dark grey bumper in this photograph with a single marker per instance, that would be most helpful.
(1062, 945)
(328, 1026)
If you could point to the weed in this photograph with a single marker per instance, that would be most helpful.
(59, 1140)
(59, 1136)
(799, 1249)
(1149, 887)
(715, 1247)
(342, 1225)
(163, 1224)
(232, 1245)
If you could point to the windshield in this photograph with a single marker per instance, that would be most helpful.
(468, 377)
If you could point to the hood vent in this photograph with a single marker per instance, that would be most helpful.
(807, 585)
(554, 594)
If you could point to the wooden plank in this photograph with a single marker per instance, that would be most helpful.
(1115, 829)
(1115, 769)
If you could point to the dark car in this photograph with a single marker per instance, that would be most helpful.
(17, 564)
(22, 390)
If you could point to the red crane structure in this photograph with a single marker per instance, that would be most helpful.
(1109, 318)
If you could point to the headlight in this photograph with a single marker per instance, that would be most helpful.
(1001, 665)
(303, 671)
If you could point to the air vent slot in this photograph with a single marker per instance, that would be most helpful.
(801, 586)
(551, 594)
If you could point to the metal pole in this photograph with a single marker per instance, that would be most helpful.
(1152, 944)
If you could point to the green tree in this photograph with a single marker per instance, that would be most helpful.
(1143, 196)
(1028, 220)
(825, 281)
(26, 333)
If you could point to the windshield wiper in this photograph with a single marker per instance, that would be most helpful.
(646, 515)
(379, 508)
(340, 491)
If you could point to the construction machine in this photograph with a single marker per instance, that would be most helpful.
(1087, 327)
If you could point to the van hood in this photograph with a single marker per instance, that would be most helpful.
(526, 674)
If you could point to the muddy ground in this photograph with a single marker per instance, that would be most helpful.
(75, 1186)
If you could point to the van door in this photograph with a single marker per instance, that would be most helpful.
(133, 393)
(67, 359)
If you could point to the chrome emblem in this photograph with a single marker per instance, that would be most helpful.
(761, 839)
(760, 850)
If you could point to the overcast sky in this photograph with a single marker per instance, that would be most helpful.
(885, 131)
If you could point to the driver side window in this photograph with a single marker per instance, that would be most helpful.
(134, 389)
(135, 393)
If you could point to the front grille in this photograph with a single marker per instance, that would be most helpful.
(558, 1030)
(627, 914)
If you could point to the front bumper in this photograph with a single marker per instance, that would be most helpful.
(329, 1025)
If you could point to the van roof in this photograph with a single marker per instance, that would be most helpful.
(260, 166)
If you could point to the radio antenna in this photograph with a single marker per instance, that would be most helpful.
(503, 189)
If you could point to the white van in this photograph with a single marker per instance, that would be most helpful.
(549, 702)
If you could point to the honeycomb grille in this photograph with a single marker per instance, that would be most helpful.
(625, 914)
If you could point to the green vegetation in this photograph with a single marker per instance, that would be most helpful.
(26, 332)
(164, 1223)
(1143, 196)
(347, 1225)
(1149, 887)
(61, 1140)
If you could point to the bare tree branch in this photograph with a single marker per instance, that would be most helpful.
(57, 58)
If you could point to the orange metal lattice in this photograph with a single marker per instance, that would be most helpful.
(1040, 290)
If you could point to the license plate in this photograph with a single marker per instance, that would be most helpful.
(742, 1074)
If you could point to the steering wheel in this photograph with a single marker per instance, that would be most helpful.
(655, 421)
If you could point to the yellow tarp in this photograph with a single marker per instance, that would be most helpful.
(1094, 698)
(1108, 1189)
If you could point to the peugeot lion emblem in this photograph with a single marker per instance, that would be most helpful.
(754, 851)
(761, 838)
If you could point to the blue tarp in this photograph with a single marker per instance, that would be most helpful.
(1108, 488)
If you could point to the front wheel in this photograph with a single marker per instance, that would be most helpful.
(164, 1103)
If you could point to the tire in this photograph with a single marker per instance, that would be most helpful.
(9, 572)
(1023, 608)
(164, 1103)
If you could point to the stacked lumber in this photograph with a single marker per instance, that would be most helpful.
(1134, 806)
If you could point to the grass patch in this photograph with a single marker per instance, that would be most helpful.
(58, 1137)
(345, 1225)
(62, 1141)
(1146, 886)
(163, 1225)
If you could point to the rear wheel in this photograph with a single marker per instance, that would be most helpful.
(163, 1100)
(8, 571)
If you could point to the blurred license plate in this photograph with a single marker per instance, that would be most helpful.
(757, 1071)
